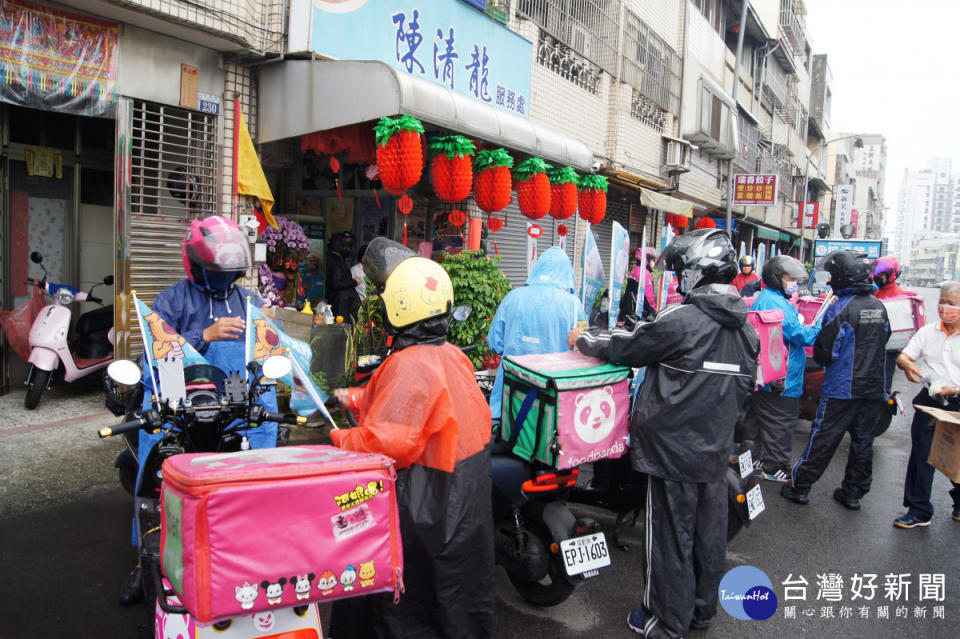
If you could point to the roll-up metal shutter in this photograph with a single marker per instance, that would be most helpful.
(512, 242)
(167, 176)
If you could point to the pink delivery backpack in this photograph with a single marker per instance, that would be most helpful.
(774, 355)
(274, 527)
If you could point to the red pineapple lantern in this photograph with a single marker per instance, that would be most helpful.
(678, 221)
(451, 168)
(706, 223)
(399, 152)
(533, 187)
(563, 192)
(491, 186)
(593, 198)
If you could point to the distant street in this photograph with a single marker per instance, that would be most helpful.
(65, 526)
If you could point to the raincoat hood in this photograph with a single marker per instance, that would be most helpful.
(721, 303)
(553, 268)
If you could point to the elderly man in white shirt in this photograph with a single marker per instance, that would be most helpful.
(931, 358)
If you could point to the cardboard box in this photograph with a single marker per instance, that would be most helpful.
(945, 449)
(295, 324)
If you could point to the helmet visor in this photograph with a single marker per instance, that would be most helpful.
(794, 269)
(381, 257)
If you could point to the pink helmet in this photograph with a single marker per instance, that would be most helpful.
(214, 243)
(886, 268)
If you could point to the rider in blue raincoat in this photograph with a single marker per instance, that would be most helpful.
(535, 318)
(209, 311)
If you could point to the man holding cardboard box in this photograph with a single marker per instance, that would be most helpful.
(932, 358)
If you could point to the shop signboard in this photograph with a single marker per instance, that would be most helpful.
(871, 247)
(811, 213)
(448, 43)
(844, 198)
(755, 189)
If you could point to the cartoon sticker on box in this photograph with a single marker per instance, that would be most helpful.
(247, 594)
(368, 574)
(348, 523)
(274, 591)
(327, 582)
(301, 585)
(347, 578)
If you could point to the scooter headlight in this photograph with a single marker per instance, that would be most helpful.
(64, 296)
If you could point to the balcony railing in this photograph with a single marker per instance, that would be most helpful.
(649, 64)
(568, 64)
(588, 27)
(792, 25)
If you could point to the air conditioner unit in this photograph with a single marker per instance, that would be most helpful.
(678, 160)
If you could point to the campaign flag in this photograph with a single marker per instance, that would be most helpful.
(642, 262)
(619, 260)
(162, 342)
(264, 339)
(591, 277)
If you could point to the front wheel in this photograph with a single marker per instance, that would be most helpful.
(553, 588)
(883, 423)
(39, 379)
(734, 525)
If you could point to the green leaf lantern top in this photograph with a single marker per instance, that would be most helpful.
(530, 167)
(595, 182)
(453, 146)
(492, 159)
(386, 128)
(563, 175)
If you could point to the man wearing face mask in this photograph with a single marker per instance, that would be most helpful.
(851, 347)
(931, 358)
(772, 409)
(746, 274)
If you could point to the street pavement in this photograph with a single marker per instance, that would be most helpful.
(65, 530)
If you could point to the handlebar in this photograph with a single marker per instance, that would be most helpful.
(284, 418)
(125, 427)
(95, 299)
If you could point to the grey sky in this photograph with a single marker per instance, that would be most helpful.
(896, 71)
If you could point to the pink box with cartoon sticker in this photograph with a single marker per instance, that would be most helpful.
(267, 528)
(774, 355)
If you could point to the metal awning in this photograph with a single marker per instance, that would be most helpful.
(661, 202)
(306, 96)
(767, 234)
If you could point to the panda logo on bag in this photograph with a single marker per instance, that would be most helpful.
(595, 414)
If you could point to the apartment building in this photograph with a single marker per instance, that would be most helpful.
(870, 162)
(914, 208)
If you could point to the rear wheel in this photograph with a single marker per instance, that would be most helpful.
(883, 423)
(734, 525)
(39, 379)
(554, 587)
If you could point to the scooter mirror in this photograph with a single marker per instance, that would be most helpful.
(124, 371)
(108, 280)
(462, 312)
(277, 366)
(35, 257)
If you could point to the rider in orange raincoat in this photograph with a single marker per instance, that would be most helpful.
(423, 408)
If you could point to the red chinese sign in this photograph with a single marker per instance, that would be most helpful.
(57, 60)
(811, 212)
(756, 190)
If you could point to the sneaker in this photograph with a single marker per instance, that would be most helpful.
(841, 497)
(778, 476)
(636, 620)
(794, 495)
(757, 466)
(956, 512)
(909, 521)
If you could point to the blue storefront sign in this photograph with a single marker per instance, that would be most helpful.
(445, 42)
(871, 247)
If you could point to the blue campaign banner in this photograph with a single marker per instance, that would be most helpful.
(821, 248)
(591, 279)
(445, 42)
(619, 260)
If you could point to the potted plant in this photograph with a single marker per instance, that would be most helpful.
(287, 247)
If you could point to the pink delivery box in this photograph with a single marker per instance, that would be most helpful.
(906, 314)
(275, 527)
(774, 356)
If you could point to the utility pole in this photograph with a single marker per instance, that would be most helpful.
(735, 114)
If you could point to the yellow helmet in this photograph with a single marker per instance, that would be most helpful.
(413, 288)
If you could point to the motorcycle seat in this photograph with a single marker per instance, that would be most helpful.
(99, 319)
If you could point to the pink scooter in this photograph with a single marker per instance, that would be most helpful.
(88, 351)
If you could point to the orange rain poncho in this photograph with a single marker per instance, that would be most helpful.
(423, 408)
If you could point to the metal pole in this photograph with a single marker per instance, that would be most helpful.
(736, 85)
(803, 203)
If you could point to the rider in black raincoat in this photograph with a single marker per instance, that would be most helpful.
(701, 357)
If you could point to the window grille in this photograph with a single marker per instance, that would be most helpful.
(173, 161)
(566, 63)
(650, 66)
(589, 27)
(643, 109)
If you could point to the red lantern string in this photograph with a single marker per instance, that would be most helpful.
(376, 196)
(334, 164)
(562, 230)
(535, 231)
(458, 218)
(494, 224)
(405, 205)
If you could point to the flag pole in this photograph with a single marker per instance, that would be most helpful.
(143, 336)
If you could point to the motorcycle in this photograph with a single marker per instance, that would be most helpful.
(214, 407)
(89, 350)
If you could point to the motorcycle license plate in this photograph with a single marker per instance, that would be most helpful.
(746, 464)
(754, 502)
(581, 554)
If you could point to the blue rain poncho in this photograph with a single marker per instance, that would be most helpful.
(535, 318)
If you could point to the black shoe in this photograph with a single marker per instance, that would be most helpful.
(794, 495)
(956, 512)
(131, 590)
(701, 624)
(841, 497)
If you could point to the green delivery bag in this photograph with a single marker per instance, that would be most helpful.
(564, 409)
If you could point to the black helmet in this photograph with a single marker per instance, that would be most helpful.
(702, 257)
(775, 268)
(341, 242)
(847, 268)
(747, 260)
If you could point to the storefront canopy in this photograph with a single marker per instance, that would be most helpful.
(665, 203)
(303, 96)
